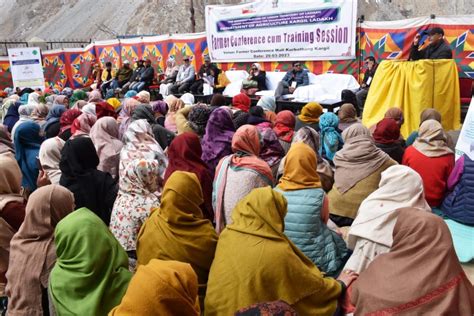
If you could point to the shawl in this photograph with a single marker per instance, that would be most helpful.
(144, 112)
(432, 140)
(246, 145)
(170, 287)
(218, 100)
(12, 116)
(430, 114)
(54, 115)
(135, 200)
(6, 144)
(331, 140)
(242, 102)
(387, 131)
(39, 113)
(272, 151)
(139, 143)
(347, 113)
(60, 100)
(311, 112)
(159, 106)
(184, 154)
(82, 282)
(268, 266)
(82, 124)
(92, 188)
(104, 134)
(79, 95)
(399, 186)
(115, 103)
(396, 114)
(104, 109)
(27, 145)
(421, 273)
(79, 104)
(217, 141)
(187, 98)
(125, 115)
(143, 97)
(177, 230)
(33, 99)
(94, 96)
(170, 67)
(300, 169)
(67, 118)
(32, 251)
(198, 117)
(174, 105)
(89, 108)
(49, 156)
(285, 125)
(267, 103)
(358, 159)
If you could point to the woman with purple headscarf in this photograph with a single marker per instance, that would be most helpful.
(217, 140)
(160, 108)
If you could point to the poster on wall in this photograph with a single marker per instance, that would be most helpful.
(26, 67)
(465, 144)
(277, 30)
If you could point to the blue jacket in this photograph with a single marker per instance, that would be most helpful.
(304, 227)
(459, 204)
(301, 77)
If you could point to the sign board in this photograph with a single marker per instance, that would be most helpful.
(26, 67)
(465, 144)
(280, 30)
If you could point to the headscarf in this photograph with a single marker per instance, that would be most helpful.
(139, 142)
(438, 286)
(268, 103)
(40, 112)
(218, 100)
(268, 265)
(275, 308)
(171, 67)
(347, 113)
(300, 169)
(387, 131)
(32, 248)
(26, 111)
(49, 156)
(125, 115)
(311, 112)
(33, 99)
(240, 118)
(187, 98)
(91, 188)
(432, 140)
(167, 287)
(144, 112)
(135, 201)
(242, 102)
(285, 125)
(198, 117)
(12, 116)
(89, 108)
(6, 144)
(79, 95)
(59, 100)
(67, 118)
(104, 134)
(104, 109)
(91, 273)
(430, 114)
(94, 96)
(216, 143)
(159, 107)
(331, 140)
(130, 94)
(27, 145)
(54, 115)
(143, 97)
(115, 103)
(82, 124)
(24, 98)
(358, 159)
(178, 230)
(174, 105)
(79, 104)
(184, 154)
(400, 186)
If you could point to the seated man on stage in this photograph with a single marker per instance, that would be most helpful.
(146, 77)
(204, 75)
(437, 49)
(371, 67)
(184, 79)
(293, 79)
(122, 76)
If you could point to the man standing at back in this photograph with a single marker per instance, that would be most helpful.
(437, 49)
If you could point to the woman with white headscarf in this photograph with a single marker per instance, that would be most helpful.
(50, 156)
(371, 232)
(188, 99)
(171, 72)
(25, 112)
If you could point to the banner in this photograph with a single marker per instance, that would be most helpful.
(26, 67)
(465, 143)
(282, 30)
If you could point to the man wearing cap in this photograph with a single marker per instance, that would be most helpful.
(204, 74)
(133, 82)
(437, 49)
(184, 79)
(123, 75)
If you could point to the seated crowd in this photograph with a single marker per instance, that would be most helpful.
(167, 207)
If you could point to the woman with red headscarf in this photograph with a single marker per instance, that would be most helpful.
(65, 122)
(285, 128)
(387, 138)
(241, 102)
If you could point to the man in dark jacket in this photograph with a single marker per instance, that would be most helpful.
(133, 82)
(294, 78)
(123, 75)
(361, 95)
(146, 78)
(204, 72)
(437, 49)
